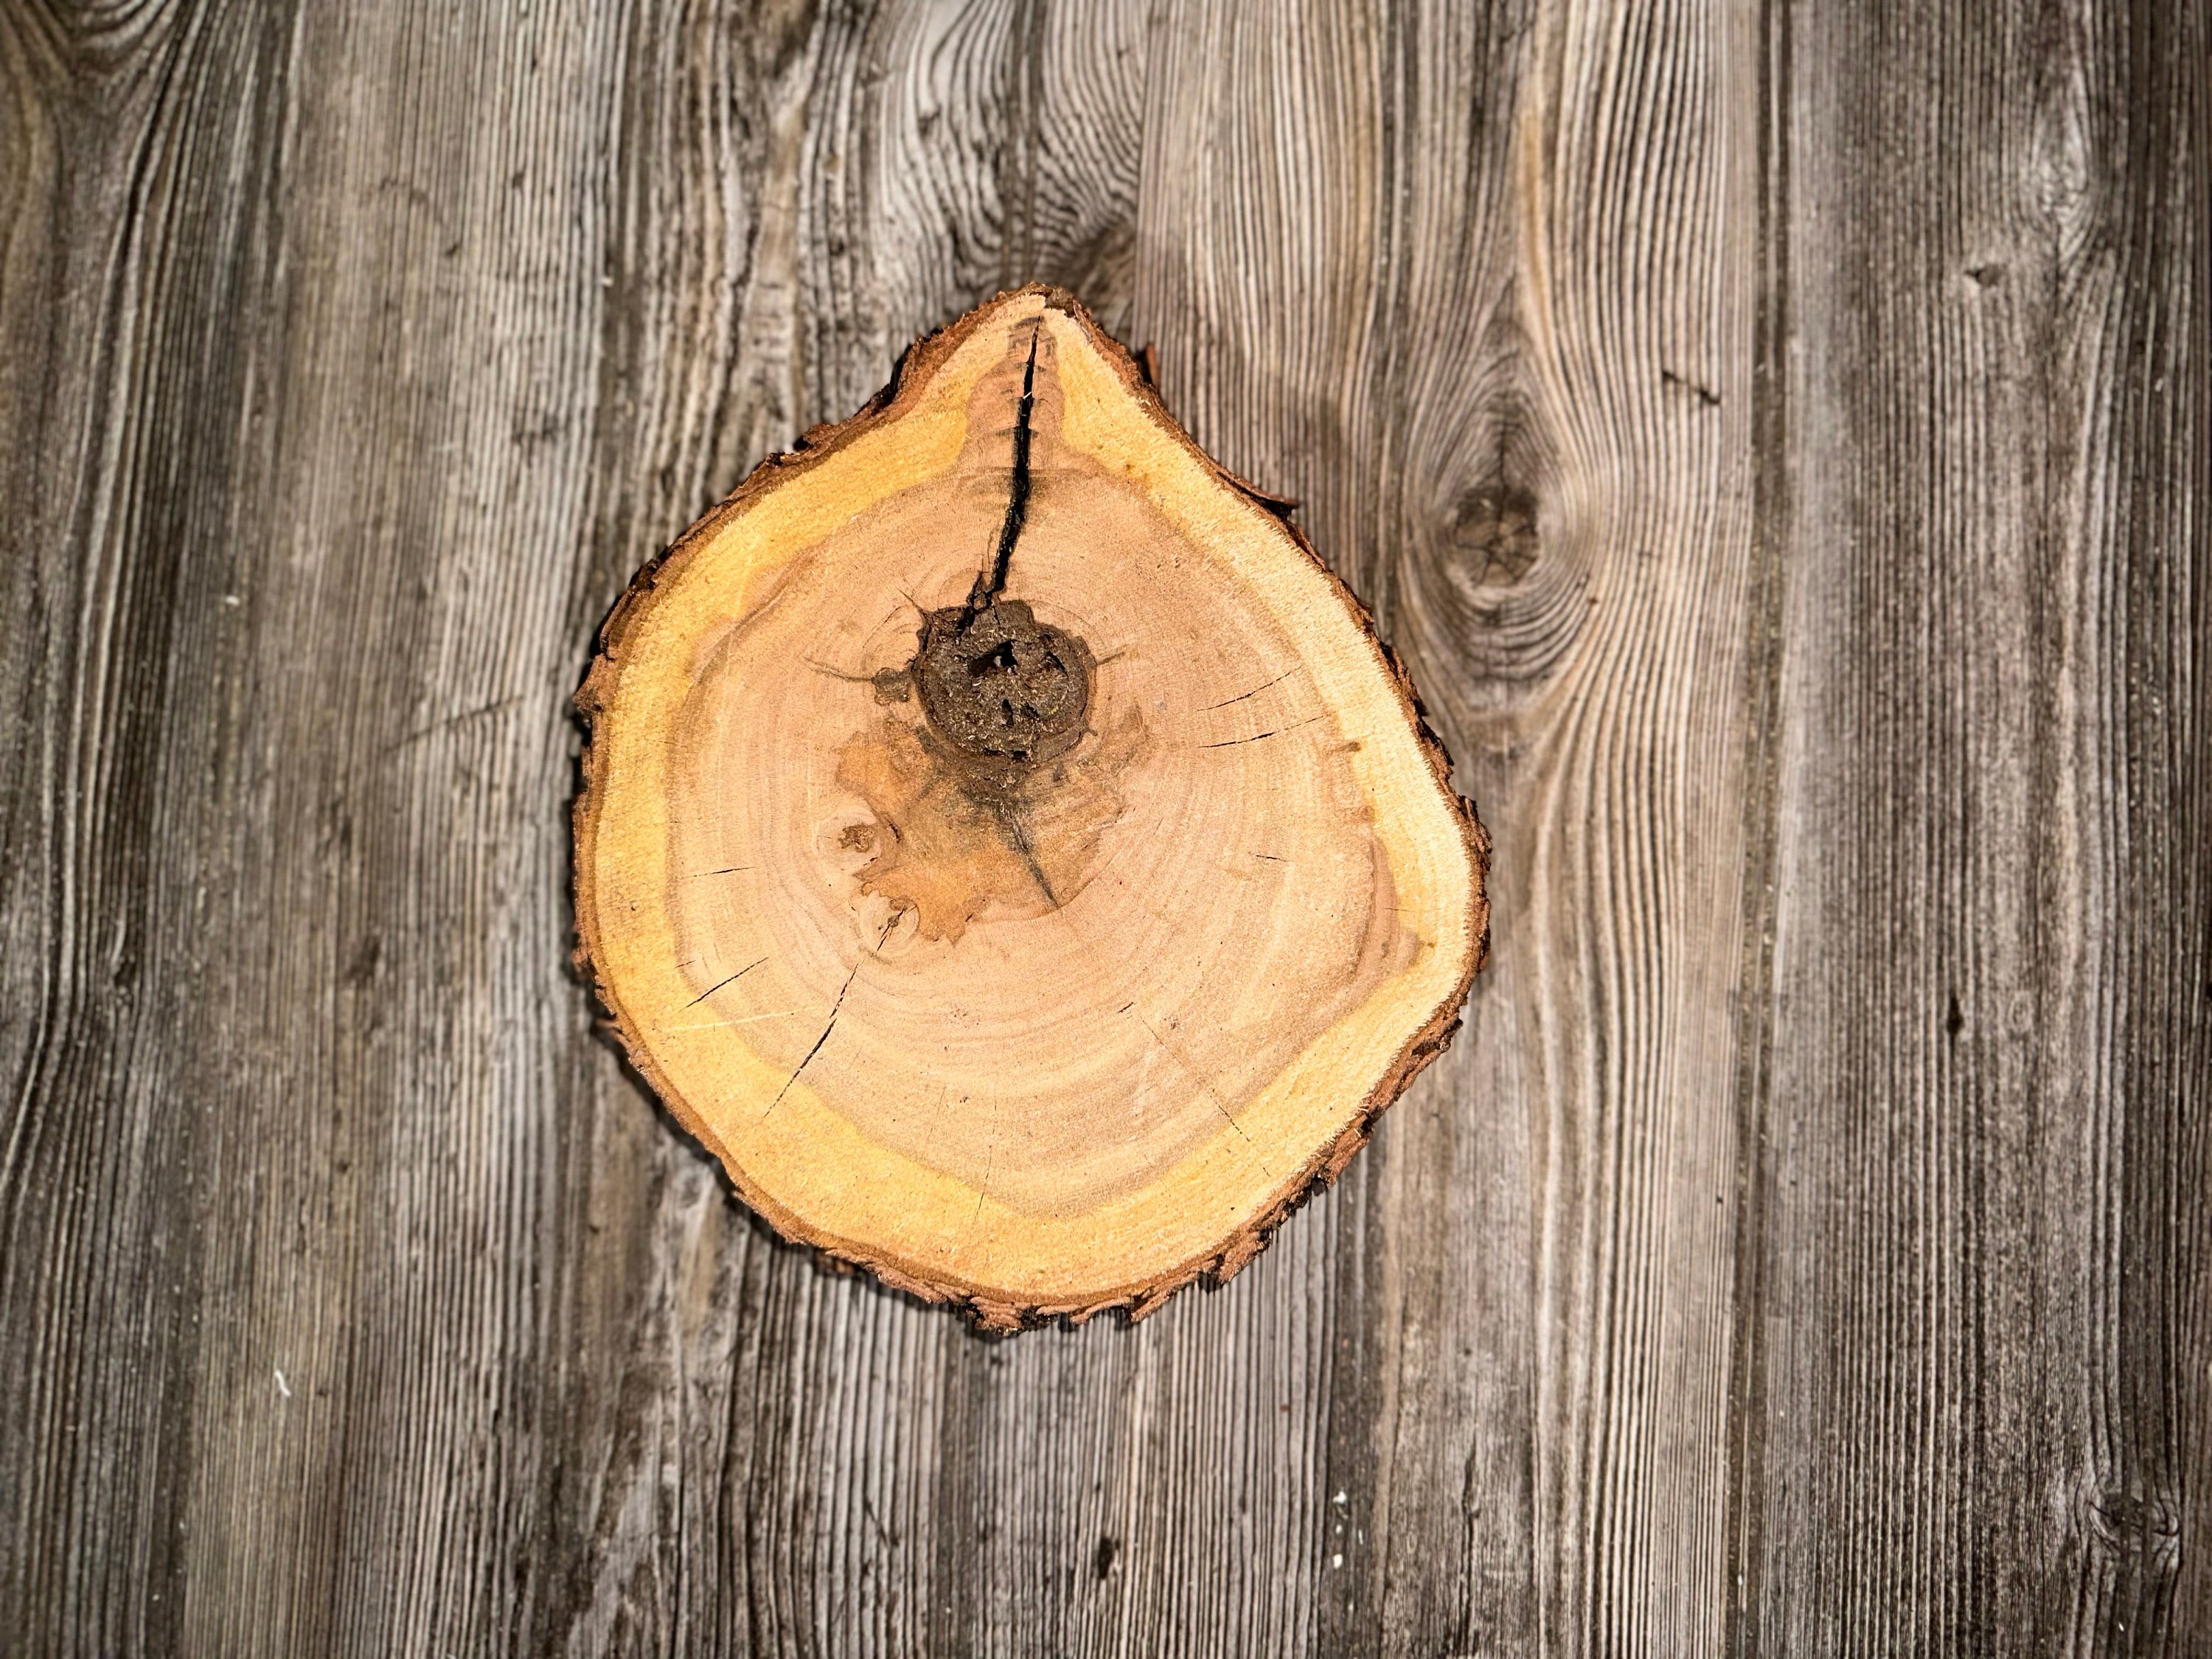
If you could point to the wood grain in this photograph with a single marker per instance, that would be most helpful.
(1985, 1135)
(1776, 437)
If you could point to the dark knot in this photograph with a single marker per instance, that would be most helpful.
(996, 682)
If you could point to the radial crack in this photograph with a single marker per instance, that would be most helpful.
(818, 1042)
(1254, 692)
(993, 581)
(831, 1025)
(1206, 1088)
(1230, 743)
(733, 978)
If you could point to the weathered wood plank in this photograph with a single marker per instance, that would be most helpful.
(1776, 438)
(1985, 1235)
(130, 249)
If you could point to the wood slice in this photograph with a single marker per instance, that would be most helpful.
(1007, 846)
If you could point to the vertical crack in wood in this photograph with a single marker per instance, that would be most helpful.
(993, 581)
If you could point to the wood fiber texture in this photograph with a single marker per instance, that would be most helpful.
(1777, 436)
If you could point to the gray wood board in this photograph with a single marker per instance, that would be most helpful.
(1778, 436)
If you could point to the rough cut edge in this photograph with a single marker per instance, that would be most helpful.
(993, 1311)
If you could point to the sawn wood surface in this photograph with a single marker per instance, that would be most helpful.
(1776, 433)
